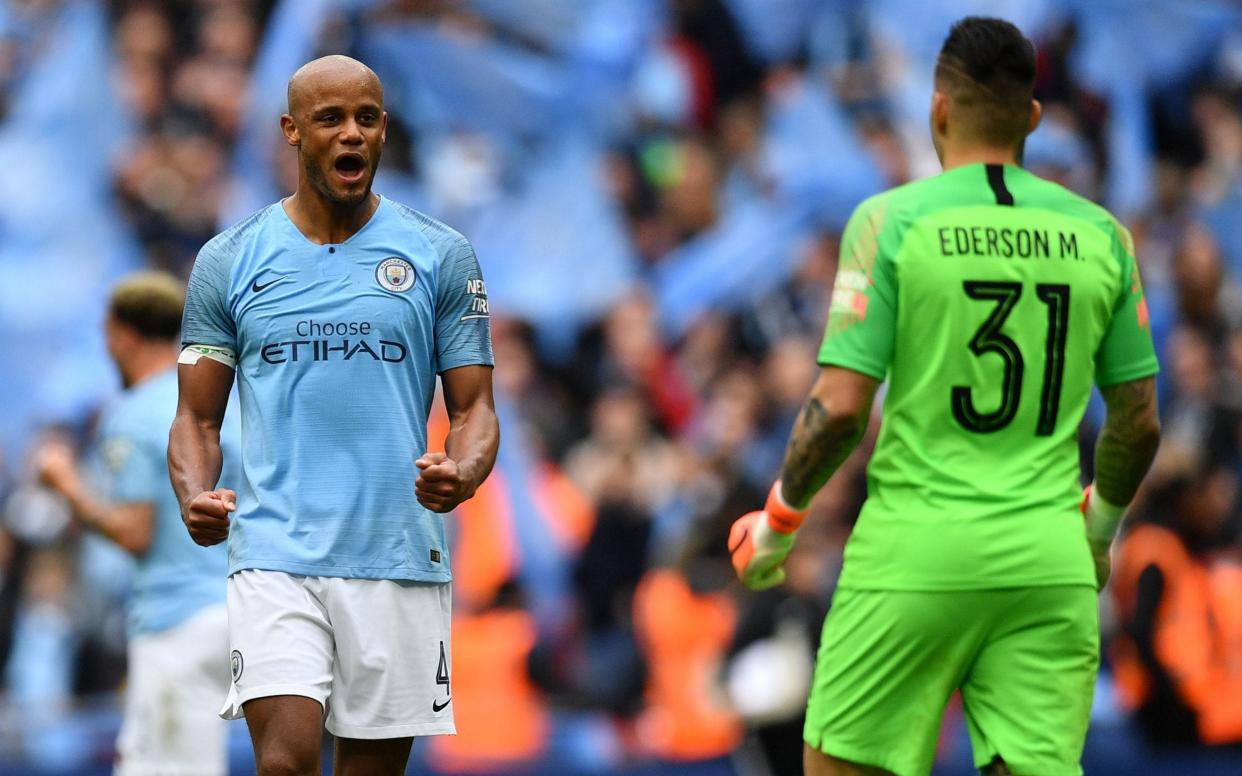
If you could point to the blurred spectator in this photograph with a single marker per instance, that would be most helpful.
(1192, 406)
(1178, 588)
(184, 79)
(789, 372)
(623, 460)
(509, 721)
(547, 405)
(1203, 297)
(630, 352)
(684, 636)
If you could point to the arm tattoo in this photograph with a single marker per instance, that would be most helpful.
(818, 445)
(1128, 441)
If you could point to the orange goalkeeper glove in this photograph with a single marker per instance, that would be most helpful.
(759, 542)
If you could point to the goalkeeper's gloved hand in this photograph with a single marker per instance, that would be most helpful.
(760, 541)
(1102, 519)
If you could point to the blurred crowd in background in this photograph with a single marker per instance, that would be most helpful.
(656, 190)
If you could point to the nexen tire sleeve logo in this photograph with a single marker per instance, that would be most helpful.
(476, 291)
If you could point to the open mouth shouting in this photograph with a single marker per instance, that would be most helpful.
(350, 167)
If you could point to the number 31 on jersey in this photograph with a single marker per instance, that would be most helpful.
(990, 339)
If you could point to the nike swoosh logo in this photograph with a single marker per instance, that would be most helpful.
(740, 541)
(256, 288)
(440, 706)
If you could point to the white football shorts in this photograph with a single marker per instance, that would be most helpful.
(376, 654)
(176, 680)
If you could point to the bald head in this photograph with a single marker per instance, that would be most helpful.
(329, 74)
(337, 123)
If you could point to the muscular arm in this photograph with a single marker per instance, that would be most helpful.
(827, 431)
(448, 479)
(194, 456)
(1127, 443)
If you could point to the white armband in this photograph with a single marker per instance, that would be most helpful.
(192, 353)
(1102, 517)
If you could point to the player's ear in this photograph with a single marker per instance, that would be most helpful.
(1037, 112)
(384, 127)
(287, 125)
(939, 113)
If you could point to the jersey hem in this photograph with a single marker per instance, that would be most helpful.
(342, 572)
(868, 370)
(858, 755)
(1050, 767)
(1137, 373)
(963, 587)
(454, 363)
(437, 728)
(236, 701)
(183, 616)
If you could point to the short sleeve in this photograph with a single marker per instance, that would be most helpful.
(1126, 352)
(135, 471)
(207, 320)
(862, 317)
(463, 320)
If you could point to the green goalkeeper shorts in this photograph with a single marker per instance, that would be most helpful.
(1025, 660)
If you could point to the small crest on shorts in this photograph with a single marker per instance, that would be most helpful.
(435, 556)
(396, 274)
(237, 664)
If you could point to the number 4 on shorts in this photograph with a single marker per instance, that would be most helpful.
(442, 677)
(442, 673)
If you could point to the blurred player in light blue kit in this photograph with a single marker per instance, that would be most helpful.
(336, 309)
(178, 628)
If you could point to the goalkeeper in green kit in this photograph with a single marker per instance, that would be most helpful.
(990, 300)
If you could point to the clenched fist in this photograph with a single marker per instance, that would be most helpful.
(440, 485)
(57, 468)
(207, 516)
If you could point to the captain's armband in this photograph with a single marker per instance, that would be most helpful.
(192, 353)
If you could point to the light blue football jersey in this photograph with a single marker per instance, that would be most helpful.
(338, 347)
(175, 577)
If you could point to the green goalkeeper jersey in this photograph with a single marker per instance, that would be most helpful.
(990, 299)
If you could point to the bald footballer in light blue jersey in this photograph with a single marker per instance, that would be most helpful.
(336, 309)
(338, 351)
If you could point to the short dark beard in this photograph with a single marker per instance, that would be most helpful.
(315, 174)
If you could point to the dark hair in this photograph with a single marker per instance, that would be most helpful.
(987, 66)
(151, 303)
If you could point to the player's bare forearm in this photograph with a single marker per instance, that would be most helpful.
(128, 525)
(1127, 443)
(474, 431)
(194, 455)
(828, 429)
(449, 478)
(473, 442)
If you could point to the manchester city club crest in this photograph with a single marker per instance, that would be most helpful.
(395, 274)
(237, 664)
